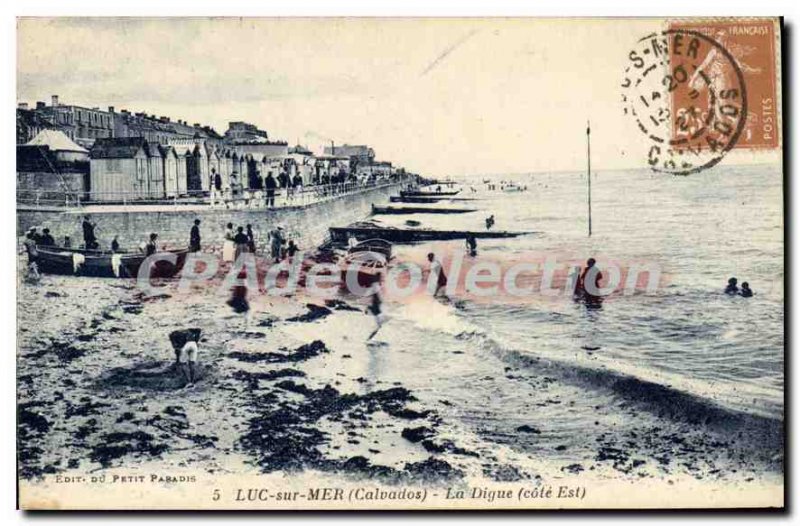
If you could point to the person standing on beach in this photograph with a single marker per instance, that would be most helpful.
(228, 248)
(297, 183)
(437, 273)
(151, 247)
(291, 249)
(30, 247)
(251, 239)
(240, 240)
(472, 245)
(238, 301)
(89, 239)
(276, 242)
(269, 190)
(375, 309)
(194, 237)
(47, 240)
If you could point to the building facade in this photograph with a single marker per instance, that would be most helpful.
(244, 132)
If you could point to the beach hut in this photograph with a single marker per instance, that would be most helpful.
(183, 152)
(155, 172)
(226, 168)
(201, 159)
(119, 169)
(169, 160)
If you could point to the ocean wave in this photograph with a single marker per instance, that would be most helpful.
(664, 401)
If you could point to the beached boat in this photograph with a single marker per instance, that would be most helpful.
(96, 263)
(368, 259)
(376, 245)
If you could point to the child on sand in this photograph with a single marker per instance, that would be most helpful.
(185, 343)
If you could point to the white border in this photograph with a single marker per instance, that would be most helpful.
(575, 8)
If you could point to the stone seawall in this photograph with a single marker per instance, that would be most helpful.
(307, 225)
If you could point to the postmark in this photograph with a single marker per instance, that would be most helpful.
(688, 96)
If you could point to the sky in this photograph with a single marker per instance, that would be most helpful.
(442, 97)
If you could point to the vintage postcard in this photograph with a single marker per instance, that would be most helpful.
(399, 263)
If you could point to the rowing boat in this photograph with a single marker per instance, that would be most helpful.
(103, 264)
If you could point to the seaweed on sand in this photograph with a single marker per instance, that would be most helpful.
(302, 353)
(120, 444)
(286, 436)
(315, 312)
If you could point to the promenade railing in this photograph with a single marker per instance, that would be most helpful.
(227, 198)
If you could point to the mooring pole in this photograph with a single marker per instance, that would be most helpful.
(589, 173)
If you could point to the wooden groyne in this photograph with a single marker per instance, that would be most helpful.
(425, 199)
(392, 210)
(407, 235)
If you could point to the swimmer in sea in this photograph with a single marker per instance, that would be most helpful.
(746, 291)
(732, 289)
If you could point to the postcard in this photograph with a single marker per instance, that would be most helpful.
(399, 263)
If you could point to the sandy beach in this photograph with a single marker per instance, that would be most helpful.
(301, 390)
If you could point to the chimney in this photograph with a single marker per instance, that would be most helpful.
(22, 105)
(196, 124)
(40, 105)
(55, 100)
(111, 109)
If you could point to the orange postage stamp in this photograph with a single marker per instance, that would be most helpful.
(752, 45)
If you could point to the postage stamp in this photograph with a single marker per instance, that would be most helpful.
(751, 45)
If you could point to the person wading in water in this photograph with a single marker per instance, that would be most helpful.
(581, 293)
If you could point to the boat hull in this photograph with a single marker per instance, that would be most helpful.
(100, 265)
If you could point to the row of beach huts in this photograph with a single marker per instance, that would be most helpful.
(131, 168)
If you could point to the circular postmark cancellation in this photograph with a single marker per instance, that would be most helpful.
(687, 95)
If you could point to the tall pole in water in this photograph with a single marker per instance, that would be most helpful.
(589, 173)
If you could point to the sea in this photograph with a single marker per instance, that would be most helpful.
(685, 349)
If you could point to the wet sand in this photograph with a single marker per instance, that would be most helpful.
(300, 389)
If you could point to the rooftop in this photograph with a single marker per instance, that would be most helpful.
(118, 148)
